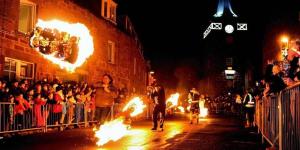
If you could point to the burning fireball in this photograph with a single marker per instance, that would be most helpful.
(111, 131)
(67, 45)
(136, 104)
(173, 100)
(203, 112)
(181, 109)
(116, 129)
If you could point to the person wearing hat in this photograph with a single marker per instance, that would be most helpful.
(159, 106)
(193, 99)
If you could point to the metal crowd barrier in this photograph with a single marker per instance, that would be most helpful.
(278, 119)
(30, 119)
(270, 118)
(42, 117)
(289, 130)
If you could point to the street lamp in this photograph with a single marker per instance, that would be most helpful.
(151, 72)
(284, 53)
(284, 46)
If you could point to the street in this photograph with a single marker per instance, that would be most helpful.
(214, 132)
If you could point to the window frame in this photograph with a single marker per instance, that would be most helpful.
(111, 53)
(18, 68)
(33, 15)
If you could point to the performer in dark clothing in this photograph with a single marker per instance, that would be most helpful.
(159, 106)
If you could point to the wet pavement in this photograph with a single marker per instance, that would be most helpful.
(213, 133)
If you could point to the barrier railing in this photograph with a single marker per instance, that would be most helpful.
(270, 119)
(278, 118)
(43, 117)
(289, 101)
(12, 121)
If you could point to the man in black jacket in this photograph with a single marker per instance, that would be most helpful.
(159, 100)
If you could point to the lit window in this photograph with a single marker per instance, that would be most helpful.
(111, 52)
(26, 16)
(113, 12)
(17, 69)
(109, 10)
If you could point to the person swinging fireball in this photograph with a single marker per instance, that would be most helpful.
(193, 99)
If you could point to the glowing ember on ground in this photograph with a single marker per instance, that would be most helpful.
(173, 100)
(203, 112)
(136, 104)
(78, 31)
(111, 131)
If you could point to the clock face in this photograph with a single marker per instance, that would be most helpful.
(229, 29)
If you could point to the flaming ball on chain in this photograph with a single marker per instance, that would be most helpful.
(67, 45)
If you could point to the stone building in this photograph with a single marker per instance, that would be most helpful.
(117, 50)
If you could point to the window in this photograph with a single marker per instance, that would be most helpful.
(113, 12)
(109, 10)
(229, 61)
(105, 8)
(17, 69)
(26, 16)
(111, 52)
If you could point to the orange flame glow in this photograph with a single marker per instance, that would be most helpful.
(203, 112)
(116, 129)
(188, 108)
(181, 109)
(111, 131)
(85, 43)
(136, 104)
(173, 100)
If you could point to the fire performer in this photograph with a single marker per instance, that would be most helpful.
(159, 101)
(105, 95)
(194, 98)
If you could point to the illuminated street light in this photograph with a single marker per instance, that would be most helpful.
(151, 72)
(284, 53)
(284, 46)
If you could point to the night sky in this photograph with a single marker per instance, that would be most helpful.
(171, 33)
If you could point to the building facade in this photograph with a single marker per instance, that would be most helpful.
(117, 50)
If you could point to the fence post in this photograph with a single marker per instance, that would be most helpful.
(280, 120)
(85, 116)
(45, 117)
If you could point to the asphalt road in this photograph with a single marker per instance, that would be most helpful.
(212, 133)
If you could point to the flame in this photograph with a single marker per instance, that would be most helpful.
(203, 112)
(85, 44)
(116, 129)
(173, 100)
(188, 108)
(181, 109)
(111, 131)
(136, 104)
